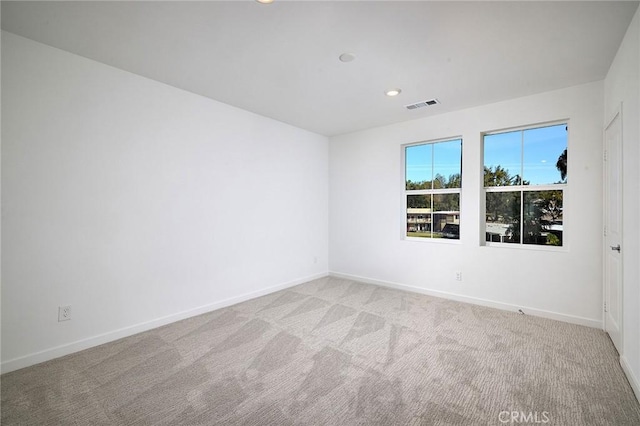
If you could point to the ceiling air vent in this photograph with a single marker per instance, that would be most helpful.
(421, 104)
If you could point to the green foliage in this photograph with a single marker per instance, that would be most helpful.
(446, 202)
(411, 185)
(561, 165)
(419, 201)
(499, 176)
(455, 181)
(542, 208)
(549, 205)
(552, 240)
(439, 182)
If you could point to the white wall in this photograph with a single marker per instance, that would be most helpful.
(367, 221)
(622, 86)
(139, 204)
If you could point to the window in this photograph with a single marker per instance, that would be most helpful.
(525, 176)
(433, 177)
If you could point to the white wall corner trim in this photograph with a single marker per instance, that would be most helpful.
(633, 380)
(588, 322)
(67, 349)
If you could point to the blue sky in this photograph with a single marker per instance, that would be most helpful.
(447, 157)
(542, 147)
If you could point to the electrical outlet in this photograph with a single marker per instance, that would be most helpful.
(458, 275)
(315, 259)
(64, 313)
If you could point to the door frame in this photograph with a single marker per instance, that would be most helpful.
(617, 113)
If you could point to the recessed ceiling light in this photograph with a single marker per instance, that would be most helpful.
(265, 1)
(393, 92)
(347, 57)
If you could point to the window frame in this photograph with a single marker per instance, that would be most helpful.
(406, 192)
(522, 189)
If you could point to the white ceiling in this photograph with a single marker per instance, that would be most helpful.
(281, 60)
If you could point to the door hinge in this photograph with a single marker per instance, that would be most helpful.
(604, 155)
(605, 306)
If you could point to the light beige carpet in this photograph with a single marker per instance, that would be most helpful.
(334, 352)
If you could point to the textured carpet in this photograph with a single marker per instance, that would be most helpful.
(335, 352)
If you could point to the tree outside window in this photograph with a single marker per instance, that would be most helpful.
(525, 176)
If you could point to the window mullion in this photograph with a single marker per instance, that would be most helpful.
(526, 188)
(433, 163)
(522, 184)
(521, 217)
(522, 157)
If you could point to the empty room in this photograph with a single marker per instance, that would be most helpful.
(320, 213)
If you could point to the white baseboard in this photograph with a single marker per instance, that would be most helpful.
(476, 301)
(69, 348)
(633, 380)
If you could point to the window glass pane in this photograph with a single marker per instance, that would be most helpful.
(446, 216)
(543, 218)
(419, 216)
(502, 159)
(418, 167)
(545, 155)
(503, 217)
(447, 164)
